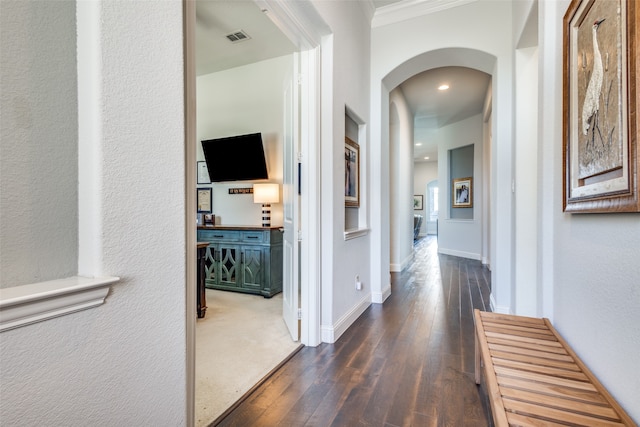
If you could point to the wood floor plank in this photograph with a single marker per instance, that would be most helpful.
(407, 362)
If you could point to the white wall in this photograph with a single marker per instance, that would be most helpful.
(39, 125)
(239, 101)
(593, 260)
(525, 296)
(124, 362)
(401, 182)
(345, 79)
(456, 36)
(423, 174)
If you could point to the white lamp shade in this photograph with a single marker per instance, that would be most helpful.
(266, 193)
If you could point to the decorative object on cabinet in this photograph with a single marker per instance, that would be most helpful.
(201, 303)
(351, 173)
(266, 193)
(243, 259)
(462, 193)
(209, 219)
(601, 166)
(204, 200)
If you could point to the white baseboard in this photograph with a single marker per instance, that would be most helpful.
(397, 268)
(330, 333)
(498, 309)
(461, 254)
(380, 297)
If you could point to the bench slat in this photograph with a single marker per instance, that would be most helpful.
(524, 339)
(528, 358)
(524, 421)
(559, 403)
(529, 367)
(560, 416)
(554, 390)
(530, 351)
(521, 333)
(541, 328)
(532, 346)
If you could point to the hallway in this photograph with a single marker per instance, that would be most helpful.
(406, 362)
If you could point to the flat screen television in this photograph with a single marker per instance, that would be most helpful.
(235, 158)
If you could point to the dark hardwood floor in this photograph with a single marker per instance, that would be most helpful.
(407, 362)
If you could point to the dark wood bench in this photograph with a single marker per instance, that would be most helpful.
(533, 377)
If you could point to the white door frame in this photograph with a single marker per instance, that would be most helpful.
(302, 24)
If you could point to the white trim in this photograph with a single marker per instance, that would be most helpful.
(330, 333)
(461, 254)
(37, 302)
(397, 268)
(354, 234)
(190, 113)
(497, 309)
(380, 297)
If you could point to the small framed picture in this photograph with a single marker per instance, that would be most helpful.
(418, 202)
(462, 193)
(204, 200)
(203, 173)
(351, 173)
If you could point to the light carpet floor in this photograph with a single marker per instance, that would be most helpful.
(240, 340)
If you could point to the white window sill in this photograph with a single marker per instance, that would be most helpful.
(37, 302)
(353, 234)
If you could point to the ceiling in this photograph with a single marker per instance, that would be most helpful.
(214, 52)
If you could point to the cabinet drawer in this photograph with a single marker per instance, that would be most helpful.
(253, 236)
(218, 236)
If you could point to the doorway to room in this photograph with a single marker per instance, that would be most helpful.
(296, 137)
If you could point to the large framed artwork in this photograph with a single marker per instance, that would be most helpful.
(462, 193)
(351, 173)
(600, 121)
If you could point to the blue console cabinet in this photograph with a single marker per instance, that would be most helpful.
(243, 259)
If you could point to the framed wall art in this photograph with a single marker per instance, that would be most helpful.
(203, 173)
(462, 193)
(351, 173)
(204, 200)
(600, 121)
(418, 202)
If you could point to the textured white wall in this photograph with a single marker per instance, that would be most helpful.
(594, 257)
(38, 142)
(345, 83)
(238, 101)
(123, 363)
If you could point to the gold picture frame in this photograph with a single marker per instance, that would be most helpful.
(462, 193)
(600, 120)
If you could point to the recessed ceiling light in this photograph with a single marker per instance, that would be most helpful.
(426, 158)
(443, 87)
(418, 144)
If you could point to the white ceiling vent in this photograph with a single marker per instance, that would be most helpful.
(237, 36)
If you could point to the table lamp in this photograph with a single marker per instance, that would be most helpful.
(266, 194)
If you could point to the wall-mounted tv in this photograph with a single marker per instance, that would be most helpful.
(235, 158)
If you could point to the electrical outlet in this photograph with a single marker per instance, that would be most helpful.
(358, 283)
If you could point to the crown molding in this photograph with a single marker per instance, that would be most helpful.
(407, 9)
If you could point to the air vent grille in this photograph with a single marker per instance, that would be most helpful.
(237, 36)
